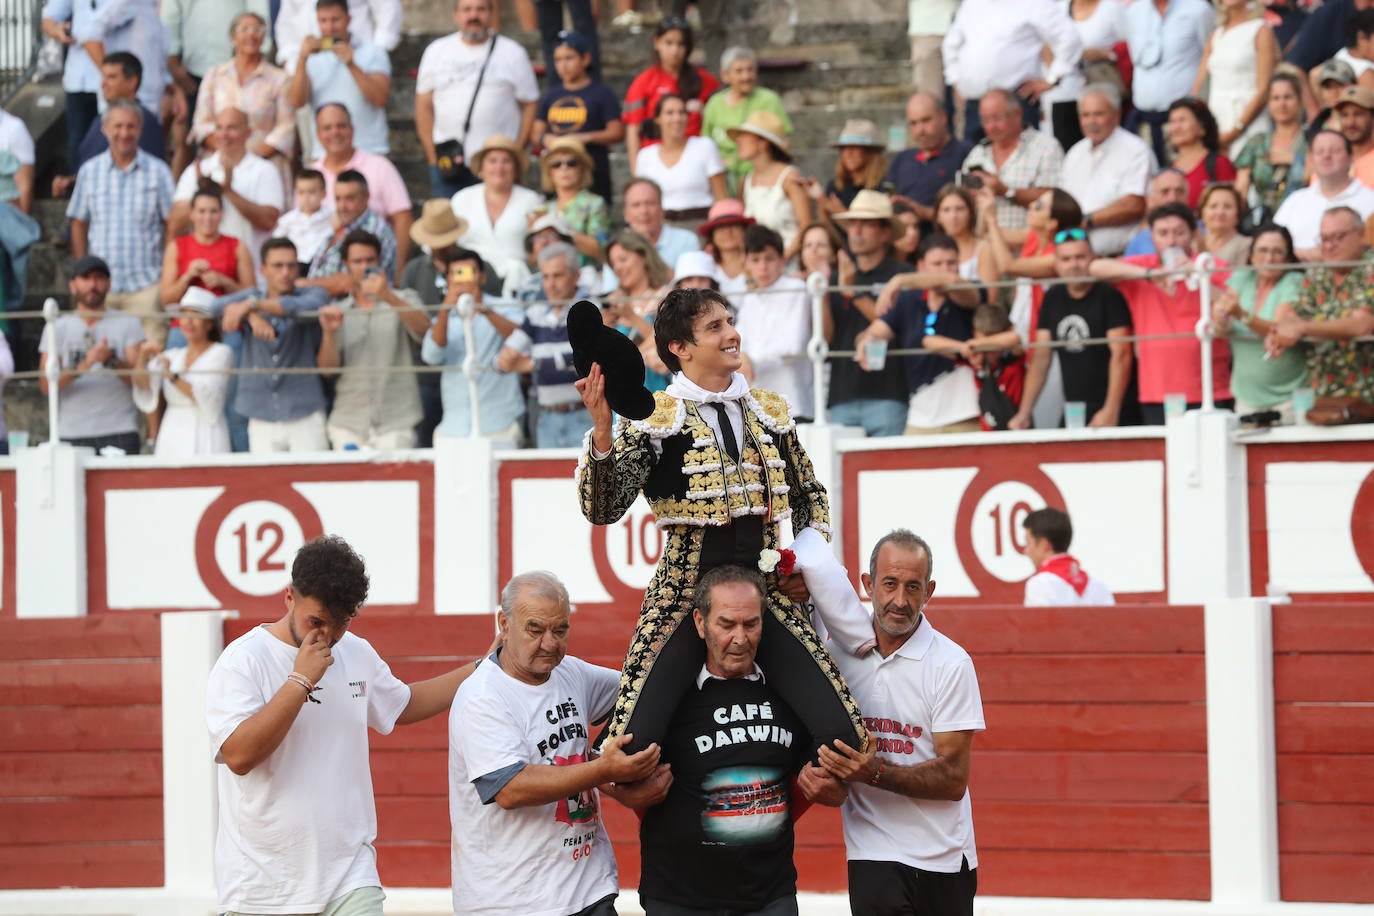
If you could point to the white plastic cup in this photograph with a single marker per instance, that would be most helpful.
(18, 438)
(1304, 399)
(1175, 405)
(1075, 415)
(876, 351)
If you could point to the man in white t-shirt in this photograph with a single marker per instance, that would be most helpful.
(1329, 157)
(522, 775)
(253, 201)
(1059, 580)
(908, 820)
(447, 90)
(288, 706)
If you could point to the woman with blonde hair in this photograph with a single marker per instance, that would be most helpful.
(860, 164)
(1237, 62)
(1219, 211)
(565, 171)
(644, 279)
(956, 215)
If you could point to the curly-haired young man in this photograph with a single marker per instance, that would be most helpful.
(288, 707)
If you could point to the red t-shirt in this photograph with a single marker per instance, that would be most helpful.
(654, 83)
(1198, 179)
(1032, 249)
(1173, 366)
(222, 254)
(1010, 377)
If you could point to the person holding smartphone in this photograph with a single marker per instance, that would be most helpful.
(369, 331)
(501, 405)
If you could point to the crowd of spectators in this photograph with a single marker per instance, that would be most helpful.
(230, 188)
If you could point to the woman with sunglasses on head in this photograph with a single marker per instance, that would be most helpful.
(1246, 314)
(671, 72)
(1219, 212)
(1271, 165)
(1192, 132)
(566, 170)
(689, 170)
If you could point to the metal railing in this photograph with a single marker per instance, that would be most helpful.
(21, 38)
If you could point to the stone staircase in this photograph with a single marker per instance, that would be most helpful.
(835, 63)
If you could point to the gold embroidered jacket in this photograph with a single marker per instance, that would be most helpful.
(692, 481)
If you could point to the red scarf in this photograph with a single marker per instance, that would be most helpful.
(1066, 567)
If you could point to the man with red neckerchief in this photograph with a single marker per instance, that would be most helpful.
(1059, 580)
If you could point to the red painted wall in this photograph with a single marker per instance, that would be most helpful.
(1324, 726)
(81, 753)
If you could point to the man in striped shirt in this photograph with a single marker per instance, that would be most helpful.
(540, 346)
(119, 213)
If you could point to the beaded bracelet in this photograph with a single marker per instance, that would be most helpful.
(877, 775)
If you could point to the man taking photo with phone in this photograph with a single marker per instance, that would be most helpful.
(367, 337)
(501, 405)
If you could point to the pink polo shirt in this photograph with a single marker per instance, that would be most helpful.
(386, 189)
(1173, 366)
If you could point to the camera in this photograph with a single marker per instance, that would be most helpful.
(462, 273)
(326, 44)
(971, 181)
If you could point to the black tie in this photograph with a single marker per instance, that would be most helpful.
(727, 431)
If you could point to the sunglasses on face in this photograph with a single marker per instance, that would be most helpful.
(563, 163)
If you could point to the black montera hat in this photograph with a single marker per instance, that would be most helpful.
(620, 360)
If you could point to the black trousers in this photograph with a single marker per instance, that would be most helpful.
(894, 889)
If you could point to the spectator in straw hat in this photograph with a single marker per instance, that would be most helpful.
(498, 207)
(774, 193)
(567, 169)
(723, 236)
(877, 399)
(860, 165)
(732, 107)
(436, 233)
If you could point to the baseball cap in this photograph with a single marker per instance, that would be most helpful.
(574, 40)
(89, 263)
(1336, 70)
(1356, 95)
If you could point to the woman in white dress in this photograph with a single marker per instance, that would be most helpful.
(1236, 65)
(689, 170)
(498, 208)
(190, 380)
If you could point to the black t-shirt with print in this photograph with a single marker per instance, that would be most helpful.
(1084, 368)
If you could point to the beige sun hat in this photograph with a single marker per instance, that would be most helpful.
(506, 144)
(870, 204)
(860, 132)
(438, 226)
(770, 127)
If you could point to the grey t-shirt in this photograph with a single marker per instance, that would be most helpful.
(98, 403)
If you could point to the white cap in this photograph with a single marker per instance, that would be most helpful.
(695, 264)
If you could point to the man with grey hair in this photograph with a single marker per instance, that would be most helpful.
(119, 213)
(1016, 163)
(522, 775)
(540, 346)
(1107, 171)
(908, 819)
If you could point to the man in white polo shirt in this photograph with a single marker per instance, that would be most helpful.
(1107, 171)
(908, 820)
(1329, 156)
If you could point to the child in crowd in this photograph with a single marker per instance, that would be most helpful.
(1001, 372)
(310, 224)
(774, 322)
(670, 73)
(580, 109)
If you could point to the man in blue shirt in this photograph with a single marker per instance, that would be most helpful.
(501, 406)
(337, 68)
(281, 330)
(918, 174)
(1323, 33)
(121, 75)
